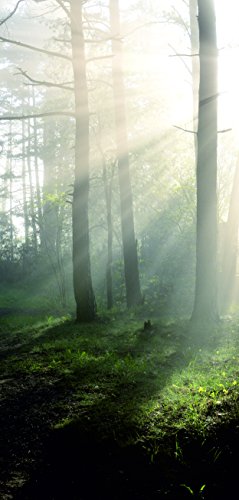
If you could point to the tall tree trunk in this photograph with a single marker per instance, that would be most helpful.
(10, 172)
(230, 246)
(24, 191)
(50, 208)
(36, 164)
(193, 12)
(31, 188)
(83, 290)
(108, 201)
(61, 277)
(132, 283)
(24, 199)
(107, 184)
(205, 305)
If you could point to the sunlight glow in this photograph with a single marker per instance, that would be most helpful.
(227, 12)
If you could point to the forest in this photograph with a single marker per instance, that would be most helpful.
(119, 270)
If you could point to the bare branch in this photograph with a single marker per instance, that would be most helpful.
(193, 132)
(90, 40)
(185, 130)
(181, 57)
(209, 99)
(86, 23)
(184, 24)
(224, 131)
(37, 115)
(46, 84)
(11, 13)
(98, 58)
(104, 82)
(37, 49)
(149, 23)
(67, 12)
(62, 40)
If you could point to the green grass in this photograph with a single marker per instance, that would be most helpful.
(138, 386)
(158, 394)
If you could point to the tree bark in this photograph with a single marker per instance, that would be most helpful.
(193, 12)
(83, 290)
(230, 247)
(108, 201)
(24, 196)
(32, 204)
(10, 172)
(132, 283)
(205, 305)
(36, 165)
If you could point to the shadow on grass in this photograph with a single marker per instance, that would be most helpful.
(98, 393)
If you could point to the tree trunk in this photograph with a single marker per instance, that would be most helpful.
(107, 184)
(108, 201)
(83, 290)
(36, 164)
(230, 246)
(193, 12)
(205, 305)
(24, 191)
(132, 283)
(10, 171)
(31, 188)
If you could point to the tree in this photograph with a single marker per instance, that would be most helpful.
(205, 304)
(133, 293)
(195, 72)
(83, 290)
(230, 246)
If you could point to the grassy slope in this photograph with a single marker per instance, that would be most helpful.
(150, 393)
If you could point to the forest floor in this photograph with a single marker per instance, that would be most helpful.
(117, 409)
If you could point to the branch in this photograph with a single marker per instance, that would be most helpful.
(104, 82)
(37, 49)
(37, 115)
(90, 40)
(182, 21)
(128, 33)
(67, 12)
(181, 57)
(185, 130)
(62, 40)
(98, 58)
(193, 132)
(46, 84)
(224, 131)
(209, 99)
(11, 13)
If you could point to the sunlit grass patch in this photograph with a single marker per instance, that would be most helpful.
(201, 394)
